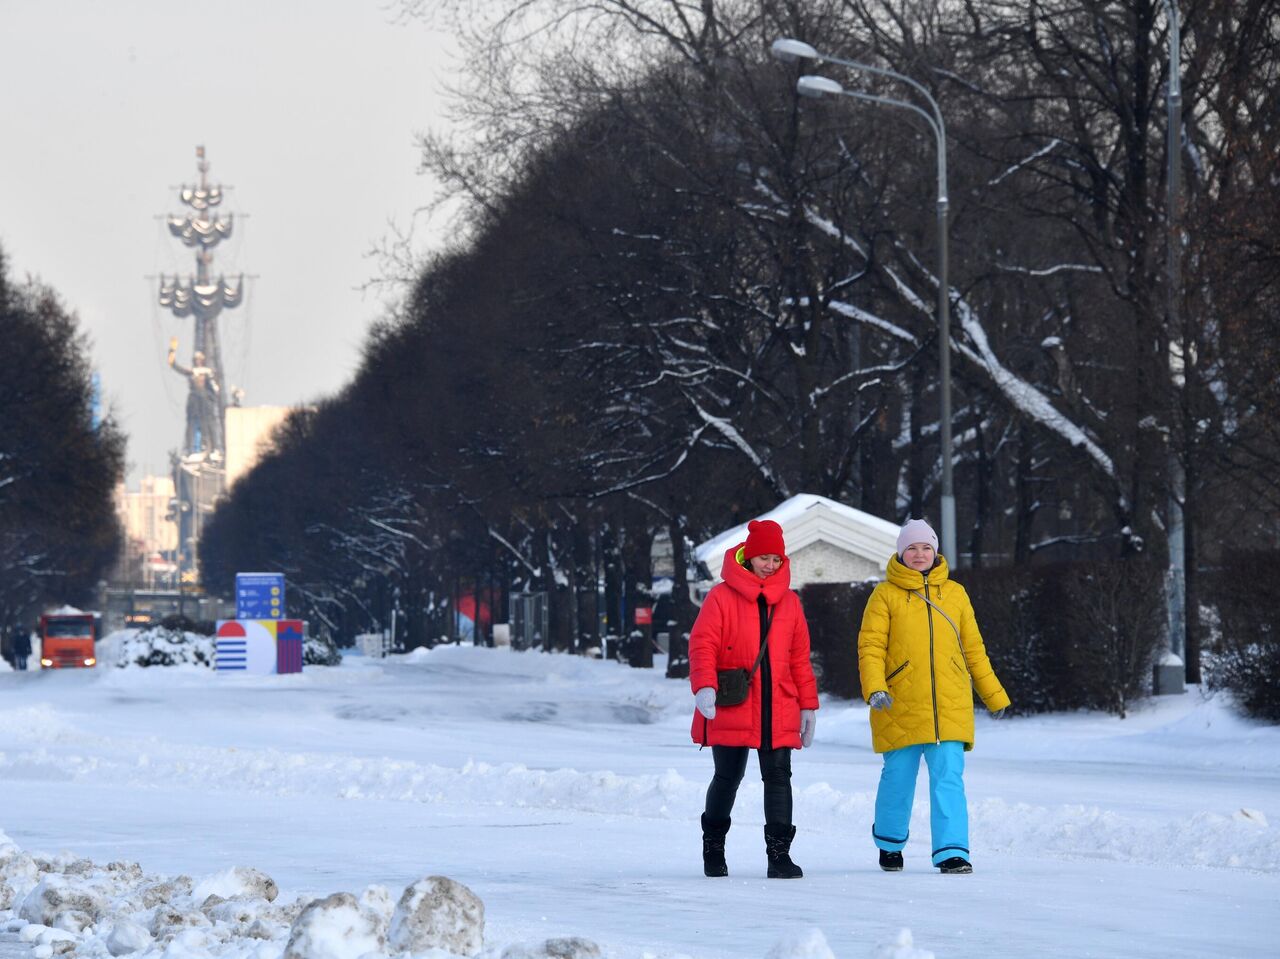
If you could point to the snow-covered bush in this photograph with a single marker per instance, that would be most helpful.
(161, 646)
(320, 651)
(1245, 656)
(1252, 672)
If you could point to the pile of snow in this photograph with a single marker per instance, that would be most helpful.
(67, 905)
(157, 646)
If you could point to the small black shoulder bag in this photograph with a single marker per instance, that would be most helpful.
(732, 685)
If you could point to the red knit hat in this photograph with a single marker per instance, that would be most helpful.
(763, 536)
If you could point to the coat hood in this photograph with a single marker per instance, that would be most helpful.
(900, 574)
(746, 583)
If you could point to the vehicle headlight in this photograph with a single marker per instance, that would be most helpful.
(90, 661)
(46, 662)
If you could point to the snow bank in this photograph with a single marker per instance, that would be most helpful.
(65, 904)
(1231, 837)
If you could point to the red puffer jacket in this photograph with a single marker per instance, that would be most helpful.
(726, 635)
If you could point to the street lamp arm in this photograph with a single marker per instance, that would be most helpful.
(882, 71)
(789, 50)
(890, 101)
(815, 86)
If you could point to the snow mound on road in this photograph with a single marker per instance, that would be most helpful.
(68, 905)
(901, 946)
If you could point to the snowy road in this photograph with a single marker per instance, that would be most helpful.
(566, 792)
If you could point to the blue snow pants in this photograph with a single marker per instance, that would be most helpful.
(948, 811)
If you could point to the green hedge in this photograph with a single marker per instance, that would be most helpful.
(1244, 654)
(834, 612)
(1081, 635)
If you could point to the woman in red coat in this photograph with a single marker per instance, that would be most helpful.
(779, 713)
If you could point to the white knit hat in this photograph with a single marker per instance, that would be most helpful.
(916, 531)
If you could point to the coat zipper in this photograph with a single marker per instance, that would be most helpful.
(933, 677)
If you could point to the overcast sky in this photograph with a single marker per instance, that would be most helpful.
(307, 109)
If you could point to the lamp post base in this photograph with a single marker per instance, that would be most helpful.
(1170, 676)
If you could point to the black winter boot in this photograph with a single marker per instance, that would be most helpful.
(956, 865)
(713, 833)
(777, 845)
(890, 861)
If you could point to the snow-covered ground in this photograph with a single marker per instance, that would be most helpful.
(565, 793)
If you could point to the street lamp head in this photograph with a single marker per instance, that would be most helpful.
(789, 51)
(811, 86)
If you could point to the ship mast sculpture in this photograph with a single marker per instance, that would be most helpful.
(200, 468)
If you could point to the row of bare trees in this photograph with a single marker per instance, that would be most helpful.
(679, 293)
(58, 465)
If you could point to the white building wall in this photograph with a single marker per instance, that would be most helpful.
(824, 563)
(143, 514)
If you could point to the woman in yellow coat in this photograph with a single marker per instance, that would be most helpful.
(920, 656)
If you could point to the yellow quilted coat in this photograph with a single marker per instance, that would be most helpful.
(929, 667)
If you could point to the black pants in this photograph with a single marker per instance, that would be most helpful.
(731, 765)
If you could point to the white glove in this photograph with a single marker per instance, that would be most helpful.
(880, 700)
(705, 700)
(998, 713)
(808, 725)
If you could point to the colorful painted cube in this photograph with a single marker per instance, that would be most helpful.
(259, 646)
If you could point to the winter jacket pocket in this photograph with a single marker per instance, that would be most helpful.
(890, 677)
(960, 667)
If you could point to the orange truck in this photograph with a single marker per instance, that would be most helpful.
(66, 640)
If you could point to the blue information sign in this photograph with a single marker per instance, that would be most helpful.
(259, 595)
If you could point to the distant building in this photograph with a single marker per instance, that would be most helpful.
(827, 542)
(151, 535)
(249, 436)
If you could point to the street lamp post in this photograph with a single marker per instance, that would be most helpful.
(789, 51)
(1171, 674)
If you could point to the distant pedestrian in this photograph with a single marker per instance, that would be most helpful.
(21, 648)
(920, 655)
(752, 625)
